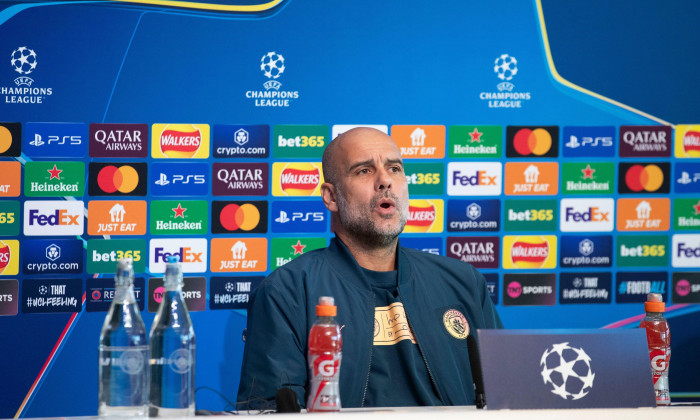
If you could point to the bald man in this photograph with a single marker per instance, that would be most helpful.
(405, 314)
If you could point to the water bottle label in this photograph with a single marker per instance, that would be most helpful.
(179, 361)
(659, 363)
(131, 361)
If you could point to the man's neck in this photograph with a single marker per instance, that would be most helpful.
(376, 259)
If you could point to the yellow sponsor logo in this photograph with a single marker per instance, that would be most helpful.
(530, 252)
(296, 179)
(425, 216)
(180, 141)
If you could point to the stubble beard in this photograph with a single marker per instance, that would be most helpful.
(359, 223)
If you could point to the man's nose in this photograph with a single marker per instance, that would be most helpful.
(383, 180)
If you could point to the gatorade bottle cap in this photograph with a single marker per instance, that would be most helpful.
(326, 306)
(654, 303)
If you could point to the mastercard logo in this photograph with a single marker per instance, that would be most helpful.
(647, 178)
(532, 142)
(239, 217)
(529, 252)
(123, 179)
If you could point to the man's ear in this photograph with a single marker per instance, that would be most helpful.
(328, 196)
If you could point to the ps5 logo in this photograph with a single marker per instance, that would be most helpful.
(299, 216)
(181, 179)
(574, 142)
(59, 140)
(37, 141)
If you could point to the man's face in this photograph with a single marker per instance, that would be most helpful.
(371, 191)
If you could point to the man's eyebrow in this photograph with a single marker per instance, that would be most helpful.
(393, 161)
(358, 164)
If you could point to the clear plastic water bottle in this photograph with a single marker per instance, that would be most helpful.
(659, 341)
(325, 354)
(172, 363)
(123, 350)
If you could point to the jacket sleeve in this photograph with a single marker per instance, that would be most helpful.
(276, 341)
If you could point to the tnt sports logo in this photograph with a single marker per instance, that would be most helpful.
(587, 215)
(532, 141)
(23, 60)
(9, 257)
(529, 252)
(425, 216)
(192, 253)
(478, 178)
(296, 179)
(505, 67)
(53, 218)
(180, 141)
(456, 324)
(644, 178)
(687, 141)
(567, 371)
(239, 217)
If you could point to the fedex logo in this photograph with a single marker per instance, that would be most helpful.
(474, 178)
(587, 215)
(686, 250)
(49, 218)
(192, 256)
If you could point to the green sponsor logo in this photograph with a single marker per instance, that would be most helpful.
(536, 215)
(9, 218)
(283, 250)
(54, 179)
(424, 178)
(588, 178)
(299, 141)
(686, 214)
(475, 141)
(645, 250)
(177, 217)
(103, 254)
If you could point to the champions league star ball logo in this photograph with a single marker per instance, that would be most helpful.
(23, 60)
(567, 370)
(505, 68)
(272, 66)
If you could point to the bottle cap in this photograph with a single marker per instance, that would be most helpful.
(326, 306)
(654, 303)
(125, 264)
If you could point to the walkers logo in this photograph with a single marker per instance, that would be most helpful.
(10, 139)
(686, 287)
(272, 66)
(283, 250)
(179, 217)
(644, 178)
(119, 140)
(117, 179)
(240, 179)
(117, 217)
(299, 217)
(23, 60)
(296, 179)
(532, 178)
(505, 68)
(642, 251)
(586, 251)
(529, 252)
(99, 293)
(479, 251)
(588, 178)
(687, 141)
(192, 254)
(420, 141)
(532, 141)
(481, 141)
(10, 184)
(54, 218)
(232, 292)
(424, 178)
(241, 141)
(183, 179)
(687, 178)
(529, 289)
(194, 291)
(473, 215)
(645, 141)
(299, 141)
(9, 257)
(9, 218)
(533, 215)
(686, 250)
(239, 217)
(431, 245)
(425, 216)
(180, 141)
(54, 179)
(54, 140)
(637, 214)
(589, 141)
(103, 254)
(9, 296)
(238, 254)
(587, 214)
(585, 288)
(686, 214)
(52, 295)
(52, 256)
(339, 129)
(634, 287)
(474, 178)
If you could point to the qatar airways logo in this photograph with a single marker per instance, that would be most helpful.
(587, 214)
(474, 178)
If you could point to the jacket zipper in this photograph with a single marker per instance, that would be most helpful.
(425, 361)
(371, 351)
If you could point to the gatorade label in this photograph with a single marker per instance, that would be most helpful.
(325, 393)
(659, 363)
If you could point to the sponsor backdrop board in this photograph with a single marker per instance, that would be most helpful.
(574, 188)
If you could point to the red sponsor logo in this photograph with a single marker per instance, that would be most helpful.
(691, 141)
(530, 252)
(421, 216)
(180, 141)
(4, 256)
(300, 179)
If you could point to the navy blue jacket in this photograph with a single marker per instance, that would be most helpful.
(282, 310)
